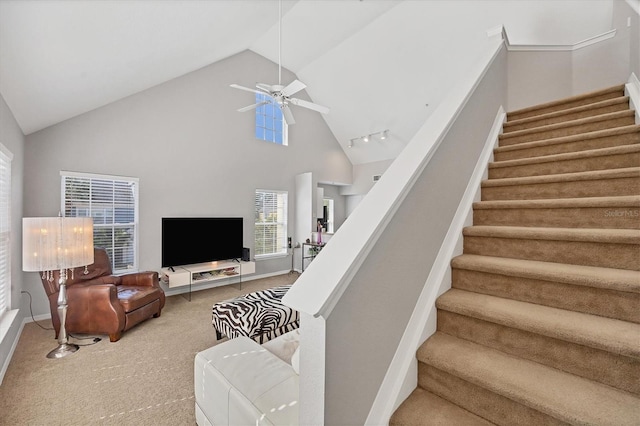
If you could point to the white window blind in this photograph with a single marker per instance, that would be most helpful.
(270, 222)
(5, 230)
(112, 202)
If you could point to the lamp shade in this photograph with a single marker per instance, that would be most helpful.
(56, 243)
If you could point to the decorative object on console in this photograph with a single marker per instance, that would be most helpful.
(53, 246)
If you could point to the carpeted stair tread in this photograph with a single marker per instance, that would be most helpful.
(594, 123)
(564, 396)
(622, 201)
(423, 408)
(607, 105)
(627, 172)
(611, 236)
(627, 134)
(621, 212)
(601, 152)
(590, 276)
(570, 102)
(611, 335)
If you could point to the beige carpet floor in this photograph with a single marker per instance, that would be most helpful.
(146, 378)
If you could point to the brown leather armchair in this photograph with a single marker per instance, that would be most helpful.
(102, 303)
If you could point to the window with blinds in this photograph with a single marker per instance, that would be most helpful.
(5, 230)
(112, 202)
(270, 223)
(270, 125)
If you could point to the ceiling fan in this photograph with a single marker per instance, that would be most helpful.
(278, 93)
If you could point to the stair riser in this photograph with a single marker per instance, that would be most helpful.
(601, 217)
(621, 106)
(591, 300)
(561, 148)
(483, 402)
(608, 255)
(422, 406)
(601, 162)
(564, 189)
(576, 359)
(566, 105)
(507, 139)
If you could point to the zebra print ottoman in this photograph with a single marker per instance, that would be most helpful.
(260, 316)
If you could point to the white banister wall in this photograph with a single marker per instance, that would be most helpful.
(363, 286)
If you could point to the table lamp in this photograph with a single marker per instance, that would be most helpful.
(57, 244)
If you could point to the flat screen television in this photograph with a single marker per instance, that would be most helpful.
(189, 240)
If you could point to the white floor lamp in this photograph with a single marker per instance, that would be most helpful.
(52, 244)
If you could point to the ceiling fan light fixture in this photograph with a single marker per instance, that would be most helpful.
(280, 93)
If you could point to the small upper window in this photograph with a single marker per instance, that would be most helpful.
(270, 125)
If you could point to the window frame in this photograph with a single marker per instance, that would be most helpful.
(6, 158)
(283, 222)
(135, 190)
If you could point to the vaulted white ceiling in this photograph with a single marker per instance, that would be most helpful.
(375, 63)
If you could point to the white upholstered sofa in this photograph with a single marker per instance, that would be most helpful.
(240, 382)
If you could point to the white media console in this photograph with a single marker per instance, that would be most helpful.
(189, 275)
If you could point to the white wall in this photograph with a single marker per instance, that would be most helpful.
(541, 75)
(194, 154)
(304, 217)
(12, 138)
(363, 177)
(537, 77)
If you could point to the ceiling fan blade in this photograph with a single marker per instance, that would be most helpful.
(237, 86)
(263, 86)
(310, 105)
(294, 87)
(254, 106)
(288, 116)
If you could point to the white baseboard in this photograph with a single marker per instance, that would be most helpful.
(10, 318)
(632, 89)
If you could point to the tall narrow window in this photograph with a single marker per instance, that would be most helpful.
(271, 223)
(270, 125)
(112, 202)
(5, 230)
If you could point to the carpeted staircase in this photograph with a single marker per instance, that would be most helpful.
(541, 325)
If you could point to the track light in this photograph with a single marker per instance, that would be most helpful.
(384, 134)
